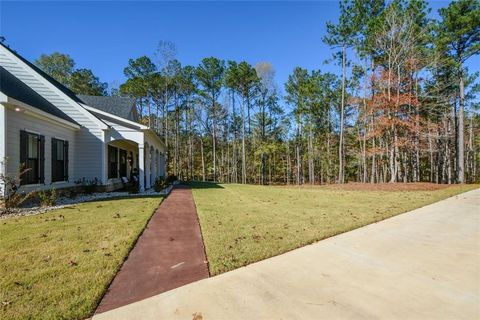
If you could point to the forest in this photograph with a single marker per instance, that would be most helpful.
(403, 106)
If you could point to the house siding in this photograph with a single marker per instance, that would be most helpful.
(88, 144)
(17, 121)
(89, 153)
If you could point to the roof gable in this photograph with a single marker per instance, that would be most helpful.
(50, 89)
(50, 79)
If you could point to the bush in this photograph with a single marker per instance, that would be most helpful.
(171, 179)
(72, 193)
(48, 198)
(134, 188)
(89, 185)
(160, 184)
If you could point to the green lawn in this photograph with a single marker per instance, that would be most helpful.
(57, 265)
(242, 224)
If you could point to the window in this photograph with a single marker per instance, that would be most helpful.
(123, 163)
(32, 150)
(59, 160)
(112, 162)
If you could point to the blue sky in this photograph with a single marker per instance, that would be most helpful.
(104, 35)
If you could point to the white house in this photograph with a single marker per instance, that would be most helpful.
(63, 138)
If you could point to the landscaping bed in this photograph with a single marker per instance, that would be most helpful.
(65, 202)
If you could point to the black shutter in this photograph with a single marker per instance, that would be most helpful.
(65, 159)
(41, 159)
(23, 153)
(54, 160)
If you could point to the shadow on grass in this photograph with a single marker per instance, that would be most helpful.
(204, 185)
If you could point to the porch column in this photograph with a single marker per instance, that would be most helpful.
(151, 166)
(154, 166)
(159, 164)
(147, 168)
(164, 163)
(104, 159)
(141, 167)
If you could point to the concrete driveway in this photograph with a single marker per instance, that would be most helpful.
(424, 264)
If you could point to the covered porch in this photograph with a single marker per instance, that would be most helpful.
(132, 160)
(132, 152)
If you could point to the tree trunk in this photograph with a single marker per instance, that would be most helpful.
(244, 166)
(203, 158)
(214, 154)
(341, 175)
(470, 152)
(460, 135)
(297, 154)
(430, 151)
(311, 168)
(416, 173)
(373, 172)
(288, 164)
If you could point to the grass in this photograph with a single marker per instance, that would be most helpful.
(57, 265)
(242, 224)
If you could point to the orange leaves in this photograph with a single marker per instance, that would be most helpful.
(391, 113)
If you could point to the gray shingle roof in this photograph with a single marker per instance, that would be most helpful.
(18, 90)
(120, 106)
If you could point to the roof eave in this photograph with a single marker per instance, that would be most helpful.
(13, 103)
(153, 133)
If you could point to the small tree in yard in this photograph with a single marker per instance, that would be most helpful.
(10, 195)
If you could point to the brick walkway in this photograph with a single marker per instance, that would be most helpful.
(168, 254)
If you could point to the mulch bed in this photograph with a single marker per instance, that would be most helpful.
(357, 186)
(417, 186)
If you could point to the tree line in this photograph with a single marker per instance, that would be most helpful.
(403, 106)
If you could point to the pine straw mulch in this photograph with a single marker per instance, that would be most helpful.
(357, 186)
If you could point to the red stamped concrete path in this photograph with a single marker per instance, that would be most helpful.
(168, 254)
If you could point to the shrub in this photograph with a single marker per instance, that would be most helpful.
(134, 188)
(171, 179)
(89, 185)
(72, 193)
(48, 197)
(160, 184)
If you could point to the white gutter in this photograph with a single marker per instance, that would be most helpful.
(116, 118)
(3, 141)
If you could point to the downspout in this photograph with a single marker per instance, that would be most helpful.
(3, 142)
(103, 156)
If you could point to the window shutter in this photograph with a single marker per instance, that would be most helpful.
(23, 152)
(54, 158)
(65, 158)
(41, 159)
